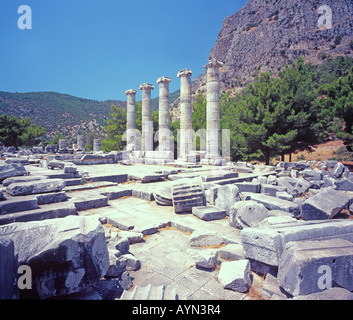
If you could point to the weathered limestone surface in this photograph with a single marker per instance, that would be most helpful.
(150, 292)
(232, 251)
(324, 205)
(34, 187)
(205, 239)
(66, 255)
(247, 214)
(206, 258)
(266, 245)
(330, 294)
(8, 181)
(8, 269)
(209, 213)
(235, 275)
(188, 195)
(18, 204)
(227, 196)
(11, 170)
(273, 203)
(299, 270)
(163, 194)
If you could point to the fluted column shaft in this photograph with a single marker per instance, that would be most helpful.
(131, 117)
(147, 127)
(186, 137)
(164, 118)
(213, 109)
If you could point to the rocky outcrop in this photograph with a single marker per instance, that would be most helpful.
(266, 34)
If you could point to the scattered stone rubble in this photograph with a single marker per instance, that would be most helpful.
(281, 222)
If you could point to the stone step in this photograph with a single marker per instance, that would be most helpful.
(209, 213)
(117, 178)
(219, 176)
(113, 193)
(18, 204)
(142, 191)
(273, 203)
(266, 244)
(35, 187)
(73, 182)
(186, 196)
(85, 200)
(150, 292)
(91, 185)
(49, 211)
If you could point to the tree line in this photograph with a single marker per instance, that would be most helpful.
(271, 117)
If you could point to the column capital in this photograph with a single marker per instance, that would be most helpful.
(184, 72)
(214, 63)
(130, 91)
(146, 86)
(164, 79)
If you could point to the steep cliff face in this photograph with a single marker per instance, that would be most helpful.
(266, 34)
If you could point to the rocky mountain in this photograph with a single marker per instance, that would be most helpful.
(264, 35)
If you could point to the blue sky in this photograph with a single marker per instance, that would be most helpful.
(97, 49)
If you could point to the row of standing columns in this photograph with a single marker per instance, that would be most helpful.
(186, 136)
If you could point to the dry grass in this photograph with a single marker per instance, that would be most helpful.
(129, 182)
(147, 236)
(254, 294)
(111, 227)
(215, 246)
(321, 152)
(169, 228)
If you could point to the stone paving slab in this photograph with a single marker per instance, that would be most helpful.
(166, 256)
(49, 211)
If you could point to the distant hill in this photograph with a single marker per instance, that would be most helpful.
(63, 113)
(57, 112)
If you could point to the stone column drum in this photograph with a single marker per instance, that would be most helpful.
(147, 127)
(62, 144)
(186, 136)
(164, 117)
(213, 109)
(81, 142)
(131, 118)
(96, 145)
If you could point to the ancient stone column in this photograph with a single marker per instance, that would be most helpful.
(186, 137)
(96, 145)
(147, 127)
(131, 118)
(213, 109)
(81, 142)
(164, 117)
(62, 144)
